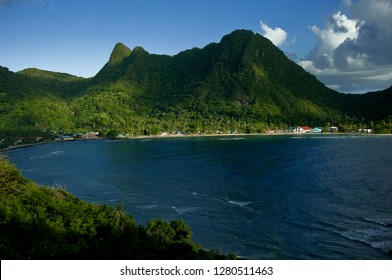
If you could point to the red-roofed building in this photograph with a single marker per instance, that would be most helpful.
(300, 129)
(306, 128)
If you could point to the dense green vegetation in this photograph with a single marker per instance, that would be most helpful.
(243, 83)
(38, 222)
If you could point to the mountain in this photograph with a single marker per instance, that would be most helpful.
(243, 74)
(243, 69)
(120, 52)
(243, 83)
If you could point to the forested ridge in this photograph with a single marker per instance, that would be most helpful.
(241, 84)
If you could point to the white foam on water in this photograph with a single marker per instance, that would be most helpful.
(382, 244)
(240, 203)
(29, 170)
(185, 210)
(231, 138)
(59, 152)
(39, 157)
(146, 207)
(48, 155)
(376, 238)
(380, 221)
(335, 137)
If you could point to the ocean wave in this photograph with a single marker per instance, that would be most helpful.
(376, 238)
(38, 157)
(146, 207)
(380, 221)
(59, 152)
(385, 244)
(231, 138)
(29, 170)
(48, 155)
(185, 210)
(240, 203)
(335, 137)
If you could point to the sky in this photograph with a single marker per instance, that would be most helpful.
(346, 44)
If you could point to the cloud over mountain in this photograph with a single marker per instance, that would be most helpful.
(276, 35)
(354, 52)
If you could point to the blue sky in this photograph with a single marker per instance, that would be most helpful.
(328, 38)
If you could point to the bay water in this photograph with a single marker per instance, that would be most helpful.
(259, 197)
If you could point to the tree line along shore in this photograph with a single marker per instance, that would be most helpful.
(14, 142)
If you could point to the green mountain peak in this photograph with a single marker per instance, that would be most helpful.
(139, 50)
(118, 54)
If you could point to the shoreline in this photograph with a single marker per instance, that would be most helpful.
(251, 134)
(199, 135)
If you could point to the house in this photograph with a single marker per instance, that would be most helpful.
(364, 130)
(306, 129)
(91, 135)
(67, 138)
(300, 129)
(316, 130)
(179, 132)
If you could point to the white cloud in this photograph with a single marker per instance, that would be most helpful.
(277, 35)
(353, 53)
(308, 65)
(338, 30)
(359, 61)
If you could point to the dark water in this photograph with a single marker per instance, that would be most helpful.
(326, 197)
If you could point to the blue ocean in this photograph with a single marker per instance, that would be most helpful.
(259, 197)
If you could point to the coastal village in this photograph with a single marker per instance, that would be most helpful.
(20, 141)
(290, 130)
